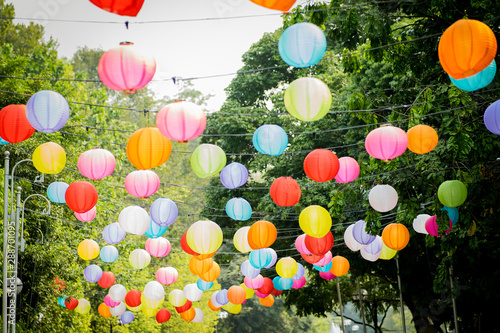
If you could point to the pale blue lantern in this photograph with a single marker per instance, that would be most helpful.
(452, 213)
(163, 211)
(61, 300)
(47, 111)
(323, 269)
(221, 297)
(302, 45)
(204, 285)
(238, 209)
(155, 230)
(260, 258)
(127, 317)
(56, 192)
(92, 273)
(270, 140)
(109, 253)
(477, 81)
(113, 233)
(234, 175)
(248, 270)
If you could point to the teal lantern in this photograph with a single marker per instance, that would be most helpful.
(270, 140)
(302, 45)
(477, 81)
(155, 230)
(260, 258)
(452, 213)
(238, 209)
(452, 193)
(109, 253)
(56, 192)
(204, 285)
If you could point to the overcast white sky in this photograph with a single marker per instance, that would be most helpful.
(184, 49)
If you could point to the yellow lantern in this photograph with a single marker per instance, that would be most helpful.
(286, 267)
(88, 249)
(149, 312)
(148, 303)
(204, 237)
(387, 253)
(49, 158)
(315, 221)
(249, 292)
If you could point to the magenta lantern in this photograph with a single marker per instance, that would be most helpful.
(87, 216)
(126, 69)
(96, 163)
(109, 302)
(348, 170)
(142, 183)
(158, 247)
(431, 226)
(328, 275)
(300, 244)
(181, 121)
(297, 284)
(386, 142)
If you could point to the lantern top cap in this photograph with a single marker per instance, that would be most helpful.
(126, 43)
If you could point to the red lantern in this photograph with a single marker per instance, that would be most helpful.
(71, 303)
(319, 246)
(185, 307)
(133, 298)
(321, 165)
(185, 247)
(14, 125)
(312, 259)
(120, 7)
(81, 196)
(285, 191)
(276, 292)
(267, 287)
(163, 315)
(107, 280)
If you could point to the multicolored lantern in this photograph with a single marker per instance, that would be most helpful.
(204, 237)
(14, 125)
(422, 139)
(302, 45)
(181, 121)
(383, 198)
(285, 191)
(147, 148)
(142, 183)
(477, 81)
(238, 209)
(207, 160)
(96, 163)
(88, 249)
(270, 140)
(56, 192)
(452, 193)
(321, 165)
(386, 142)
(491, 118)
(234, 175)
(139, 258)
(49, 158)
(113, 233)
(308, 99)
(262, 234)
(47, 111)
(134, 220)
(81, 196)
(348, 170)
(122, 7)
(315, 221)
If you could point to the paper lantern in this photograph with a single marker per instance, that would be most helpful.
(280, 284)
(452, 193)
(149, 312)
(159, 247)
(222, 297)
(240, 240)
(109, 253)
(163, 211)
(315, 221)
(149, 303)
(14, 125)
(383, 198)
(396, 236)
(185, 247)
(62, 301)
(300, 244)
(261, 234)
(212, 274)
(372, 251)
(109, 302)
(118, 310)
(103, 310)
(71, 303)
(282, 5)
(327, 258)
(285, 191)
(321, 165)
(327, 275)
(204, 285)
(142, 183)
(96, 163)
(387, 253)
(122, 7)
(176, 298)
(92, 273)
(452, 213)
(349, 240)
(267, 301)
(267, 287)
(234, 175)
(213, 307)
(238, 209)
(260, 258)
(113, 233)
(491, 117)
(321, 245)
(166, 275)
(88, 249)
(163, 315)
(207, 160)
(297, 284)
(56, 192)
(134, 220)
(248, 270)
(49, 158)
(117, 293)
(348, 170)
(261, 295)
(360, 235)
(192, 292)
(477, 81)
(107, 280)
(139, 258)
(419, 223)
(183, 308)
(47, 111)
(236, 295)
(274, 257)
(325, 268)
(147, 148)
(302, 45)
(133, 298)
(466, 48)
(286, 267)
(422, 139)
(189, 314)
(249, 292)
(3, 142)
(125, 68)
(308, 98)
(340, 266)
(87, 216)
(198, 267)
(204, 237)
(199, 316)
(154, 231)
(181, 121)
(254, 283)
(213, 300)
(312, 259)
(154, 291)
(127, 317)
(431, 226)
(81, 196)
(270, 140)
(83, 306)
(386, 142)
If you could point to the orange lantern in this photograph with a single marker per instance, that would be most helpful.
(198, 267)
(236, 295)
(204, 256)
(282, 5)
(261, 234)
(267, 301)
(211, 274)
(466, 48)
(189, 314)
(340, 266)
(422, 139)
(147, 148)
(212, 307)
(103, 310)
(396, 236)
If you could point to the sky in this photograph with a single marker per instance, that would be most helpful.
(208, 41)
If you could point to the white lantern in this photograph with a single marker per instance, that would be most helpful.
(419, 223)
(176, 298)
(192, 292)
(134, 220)
(240, 240)
(349, 240)
(117, 293)
(198, 317)
(383, 198)
(214, 301)
(373, 250)
(118, 310)
(139, 258)
(154, 291)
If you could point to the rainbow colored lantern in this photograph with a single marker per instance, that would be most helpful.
(56, 192)
(147, 148)
(422, 139)
(386, 142)
(383, 198)
(49, 158)
(315, 221)
(360, 235)
(234, 175)
(282, 5)
(155, 230)
(285, 191)
(47, 111)
(181, 121)
(14, 125)
(240, 240)
(452, 193)
(92, 273)
(139, 258)
(204, 237)
(158, 247)
(109, 253)
(477, 81)
(96, 163)
(302, 45)
(321, 165)
(308, 99)
(270, 140)
(126, 69)
(166, 275)
(348, 170)
(113, 233)
(207, 160)
(134, 220)
(87, 216)
(491, 117)
(88, 249)
(81, 196)
(238, 209)
(142, 183)
(122, 7)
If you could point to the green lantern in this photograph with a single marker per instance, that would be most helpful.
(452, 193)
(308, 99)
(207, 160)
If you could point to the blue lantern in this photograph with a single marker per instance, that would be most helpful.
(221, 297)
(248, 270)
(477, 81)
(163, 211)
(270, 140)
(92, 273)
(260, 258)
(452, 213)
(302, 45)
(47, 111)
(127, 317)
(61, 300)
(155, 230)
(3, 142)
(323, 269)
(56, 192)
(234, 175)
(113, 233)
(300, 272)
(238, 209)
(109, 253)
(204, 285)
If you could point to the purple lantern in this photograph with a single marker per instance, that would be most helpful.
(163, 212)
(113, 233)
(274, 258)
(300, 272)
(47, 111)
(234, 175)
(373, 250)
(127, 317)
(248, 270)
(492, 118)
(360, 235)
(92, 273)
(221, 297)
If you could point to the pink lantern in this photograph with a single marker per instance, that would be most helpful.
(87, 216)
(260, 295)
(96, 163)
(254, 283)
(328, 275)
(159, 247)
(431, 226)
(109, 302)
(181, 121)
(167, 275)
(348, 170)
(300, 245)
(325, 260)
(386, 142)
(297, 284)
(142, 183)
(126, 69)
